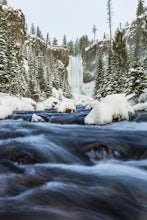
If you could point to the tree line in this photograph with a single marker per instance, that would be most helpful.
(125, 69)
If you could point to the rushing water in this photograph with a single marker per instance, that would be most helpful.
(62, 169)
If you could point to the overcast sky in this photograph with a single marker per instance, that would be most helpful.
(75, 18)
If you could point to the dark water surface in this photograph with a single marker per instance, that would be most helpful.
(61, 169)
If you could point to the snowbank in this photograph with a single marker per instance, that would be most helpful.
(111, 107)
(10, 103)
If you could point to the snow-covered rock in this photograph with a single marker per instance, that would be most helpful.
(66, 105)
(140, 107)
(100, 114)
(111, 107)
(37, 118)
(120, 107)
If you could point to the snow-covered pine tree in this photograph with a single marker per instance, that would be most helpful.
(144, 43)
(48, 89)
(140, 8)
(107, 88)
(108, 76)
(41, 71)
(12, 66)
(83, 43)
(34, 90)
(3, 42)
(120, 61)
(109, 12)
(65, 86)
(136, 79)
(21, 74)
(99, 76)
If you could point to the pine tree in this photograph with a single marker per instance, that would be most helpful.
(32, 84)
(64, 40)
(120, 60)
(140, 8)
(137, 79)
(48, 89)
(55, 41)
(3, 41)
(109, 8)
(70, 45)
(47, 39)
(38, 33)
(12, 64)
(33, 31)
(41, 72)
(108, 76)
(94, 29)
(99, 76)
(83, 43)
(21, 74)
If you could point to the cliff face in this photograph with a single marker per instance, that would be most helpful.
(38, 62)
(89, 60)
(16, 19)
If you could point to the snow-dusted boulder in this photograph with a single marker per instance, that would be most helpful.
(111, 107)
(100, 114)
(66, 105)
(37, 118)
(120, 107)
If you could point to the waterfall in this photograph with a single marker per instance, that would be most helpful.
(75, 74)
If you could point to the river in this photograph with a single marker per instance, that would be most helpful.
(61, 169)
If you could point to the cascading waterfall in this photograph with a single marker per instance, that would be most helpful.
(75, 74)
